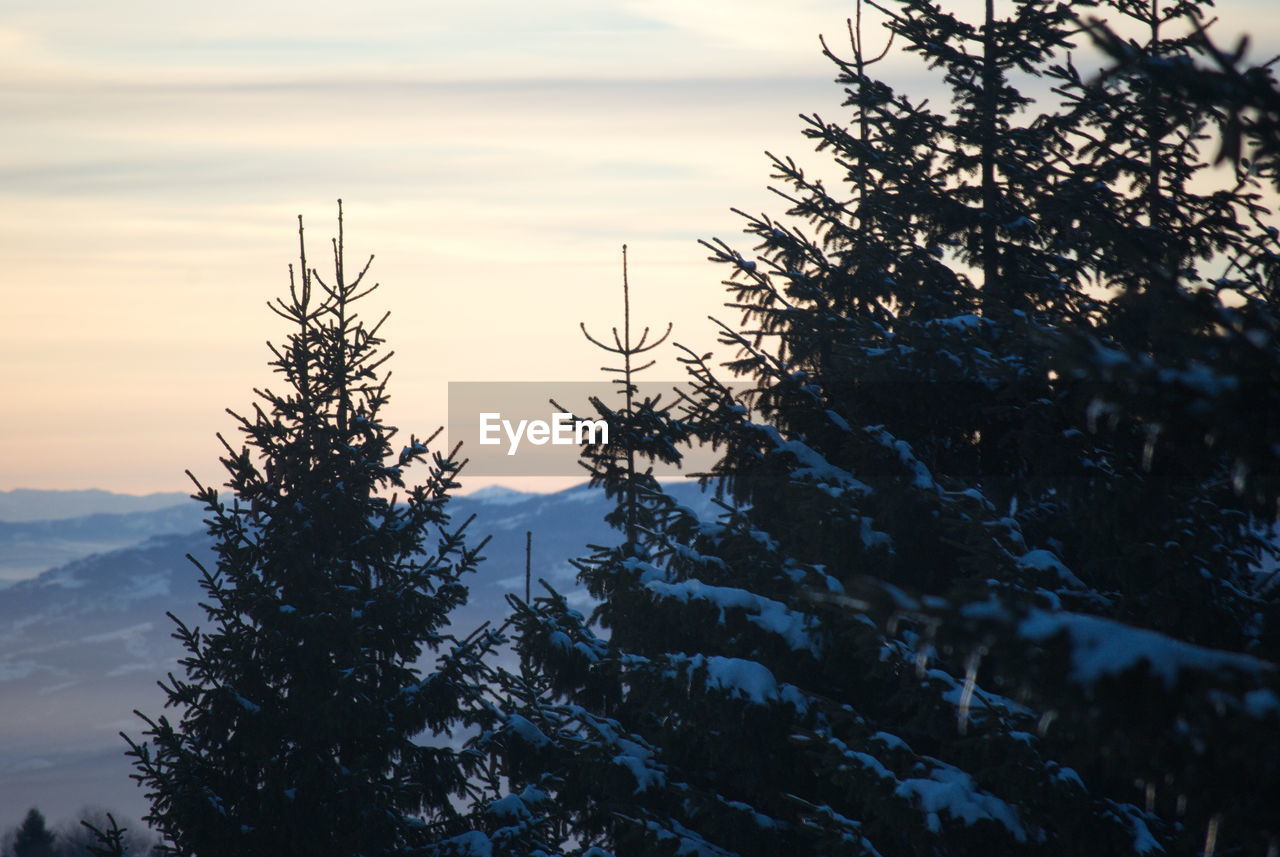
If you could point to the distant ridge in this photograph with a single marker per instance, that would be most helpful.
(25, 504)
(29, 547)
(498, 495)
(84, 636)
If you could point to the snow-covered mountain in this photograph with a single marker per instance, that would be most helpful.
(83, 643)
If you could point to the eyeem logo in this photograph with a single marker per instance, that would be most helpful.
(563, 430)
(538, 428)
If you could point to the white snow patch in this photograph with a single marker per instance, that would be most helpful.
(510, 806)
(746, 680)
(528, 732)
(1101, 647)
(767, 614)
(952, 791)
(1043, 560)
(473, 843)
(634, 758)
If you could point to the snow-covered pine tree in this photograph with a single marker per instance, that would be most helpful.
(894, 315)
(739, 706)
(1172, 529)
(299, 707)
(1154, 536)
(565, 752)
(881, 650)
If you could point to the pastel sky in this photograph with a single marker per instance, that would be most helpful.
(494, 156)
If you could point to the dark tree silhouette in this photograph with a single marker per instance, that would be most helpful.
(33, 838)
(966, 598)
(300, 708)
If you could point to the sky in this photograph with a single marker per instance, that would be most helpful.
(493, 155)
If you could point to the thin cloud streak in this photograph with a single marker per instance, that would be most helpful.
(493, 155)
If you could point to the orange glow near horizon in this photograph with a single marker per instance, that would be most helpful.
(493, 156)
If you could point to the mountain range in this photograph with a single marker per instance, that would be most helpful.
(84, 636)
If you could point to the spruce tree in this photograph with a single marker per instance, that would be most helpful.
(781, 727)
(1177, 383)
(1213, 392)
(1150, 529)
(33, 837)
(931, 619)
(301, 708)
(564, 749)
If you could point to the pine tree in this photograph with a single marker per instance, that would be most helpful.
(33, 837)
(562, 746)
(1230, 411)
(300, 707)
(924, 624)
(1153, 540)
(1178, 377)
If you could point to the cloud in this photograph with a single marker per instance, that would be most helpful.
(494, 154)
(282, 39)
